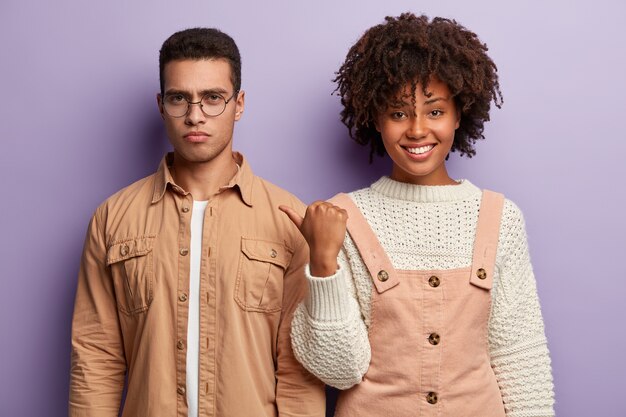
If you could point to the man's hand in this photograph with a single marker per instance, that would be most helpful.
(324, 229)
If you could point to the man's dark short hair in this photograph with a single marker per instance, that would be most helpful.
(199, 44)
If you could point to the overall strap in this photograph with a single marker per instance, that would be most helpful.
(486, 241)
(373, 255)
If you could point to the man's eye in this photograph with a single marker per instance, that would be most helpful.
(176, 98)
(212, 98)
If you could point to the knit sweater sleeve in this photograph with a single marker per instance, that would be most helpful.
(518, 347)
(328, 333)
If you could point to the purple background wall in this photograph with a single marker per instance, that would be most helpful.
(79, 121)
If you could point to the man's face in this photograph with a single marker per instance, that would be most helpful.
(196, 137)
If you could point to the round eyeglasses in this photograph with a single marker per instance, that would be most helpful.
(211, 104)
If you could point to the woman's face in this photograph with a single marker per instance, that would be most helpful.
(419, 137)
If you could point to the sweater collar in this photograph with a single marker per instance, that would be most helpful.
(425, 193)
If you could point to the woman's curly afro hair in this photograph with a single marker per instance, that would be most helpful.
(409, 50)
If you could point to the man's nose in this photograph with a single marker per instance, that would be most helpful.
(195, 114)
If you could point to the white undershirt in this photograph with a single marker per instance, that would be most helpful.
(193, 323)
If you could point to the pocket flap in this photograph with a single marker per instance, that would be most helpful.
(129, 248)
(264, 251)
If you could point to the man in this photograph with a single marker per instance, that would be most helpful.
(190, 276)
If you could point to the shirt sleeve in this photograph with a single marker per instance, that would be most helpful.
(98, 364)
(518, 346)
(329, 334)
(298, 392)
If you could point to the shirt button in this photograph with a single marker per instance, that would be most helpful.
(434, 339)
(181, 390)
(481, 273)
(182, 297)
(383, 276)
(184, 251)
(431, 397)
(185, 209)
(180, 345)
(124, 250)
(434, 281)
(273, 254)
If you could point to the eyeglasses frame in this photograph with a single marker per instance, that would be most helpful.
(190, 103)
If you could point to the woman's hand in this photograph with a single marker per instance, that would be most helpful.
(324, 229)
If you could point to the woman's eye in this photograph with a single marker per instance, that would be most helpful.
(436, 113)
(398, 115)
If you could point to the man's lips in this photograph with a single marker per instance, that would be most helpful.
(196, 136)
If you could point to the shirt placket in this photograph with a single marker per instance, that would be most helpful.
(208, 311)
(183, 206)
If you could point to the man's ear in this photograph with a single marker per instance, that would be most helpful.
(239, 104)
(160, 104)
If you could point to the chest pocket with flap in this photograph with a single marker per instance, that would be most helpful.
(262, 265)
(132, 269)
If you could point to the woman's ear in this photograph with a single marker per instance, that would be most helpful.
(458, 119)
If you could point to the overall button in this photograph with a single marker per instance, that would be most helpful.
(432, 398)
(481, 273)
(180, 345)
(273, 253)
(181, 390)
(182, 297)
(184, 251)
(124, 250)
(434, 281)
(185, 209)
(434, 339)
(383, 276)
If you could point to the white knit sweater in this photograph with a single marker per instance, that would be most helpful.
(429, 228)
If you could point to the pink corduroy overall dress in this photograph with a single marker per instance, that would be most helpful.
(428, 331)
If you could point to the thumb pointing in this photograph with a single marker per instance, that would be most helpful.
(293, 216)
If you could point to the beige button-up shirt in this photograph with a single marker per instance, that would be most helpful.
(131, 310)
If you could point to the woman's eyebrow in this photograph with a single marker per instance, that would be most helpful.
(435, 99)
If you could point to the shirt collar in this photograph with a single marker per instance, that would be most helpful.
(242, 181)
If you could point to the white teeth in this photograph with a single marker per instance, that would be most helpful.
(420, 150)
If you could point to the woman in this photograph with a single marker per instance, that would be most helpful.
(428, 306)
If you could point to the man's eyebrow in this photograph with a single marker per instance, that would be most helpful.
(172, 91)
(217, 90)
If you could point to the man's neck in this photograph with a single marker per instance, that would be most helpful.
(204, 179)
